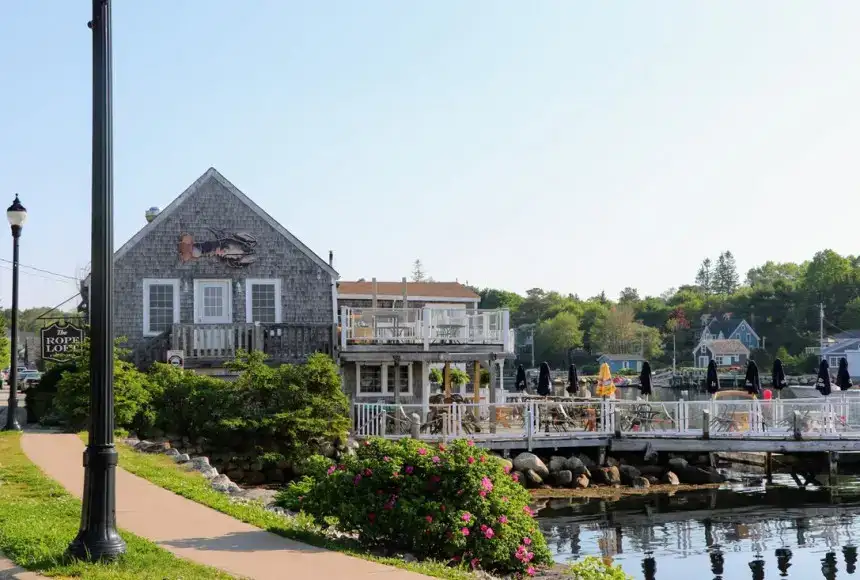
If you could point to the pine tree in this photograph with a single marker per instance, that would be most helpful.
(726, 279)
(705, 276)
(418, 274)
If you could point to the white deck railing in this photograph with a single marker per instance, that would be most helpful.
(562, 419)
(425, 326)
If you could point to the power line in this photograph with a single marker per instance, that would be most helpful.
(26, 273)
(40, 270)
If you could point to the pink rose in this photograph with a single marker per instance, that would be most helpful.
(422, 451)
(515, 477)
(487, 483)
(527, 541)
(471, 460)
(357, 479)
(466, 516)
(528, 510)
(489, 533)
(436, 459)
(530, 570)
(503, 519)
(464, 531)
(507, 468)
(386, 459)
(470, 443)
(482, 493)
(429, 519)
(409, 469)
(368, 472)
(331, 469)
(484, 527)
(475, 562)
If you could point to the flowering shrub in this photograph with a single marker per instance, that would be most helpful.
(453, 503)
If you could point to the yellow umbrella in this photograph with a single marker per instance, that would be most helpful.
(605, 386)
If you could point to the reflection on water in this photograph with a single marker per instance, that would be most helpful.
(773, 532)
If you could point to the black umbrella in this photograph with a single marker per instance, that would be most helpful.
(712, 380)
(543, 380)
(572, 380)
(649, 568)
(823, 382)
(783, 560)
(843, 377)
(778, 375)
(645, 379)
(521, 378)
(752, 382)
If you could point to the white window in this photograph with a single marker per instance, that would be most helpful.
(625, 364)
(263, 301)
(834, 361)
(378, 380)
(160, 305)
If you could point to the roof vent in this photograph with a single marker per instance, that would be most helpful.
(151, 213)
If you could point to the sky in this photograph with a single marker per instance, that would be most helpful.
(576, 146)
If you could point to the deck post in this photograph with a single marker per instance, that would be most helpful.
(396, 384)
(476, 382)
(833, 464)
(415, 426)
(616, 415)
(796, 426)
(446, 380)
(706, 424)
(492, 393)
(529, 424)
(768, 466)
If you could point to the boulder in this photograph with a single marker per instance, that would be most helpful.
(275, 475)
(612, 462)
(533, 478)
(529, 461)
(171, 452)
(199, 463)
(210, 473)
(581, 482)
(181, 458)
(255, 478)
(507, 463)
(600, 476)
(556, 463)
(698, 476)
(236, 474)
(220, 483)
(563, 478)
(652, 479)
(649, 470)
(587, 461)
(640, 483)
(678, 464)
(256, 466)
(613, 475)
(670, 478)
(628, 474)
(576, 466)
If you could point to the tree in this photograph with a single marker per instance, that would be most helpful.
(850, 319)
(613, 332)
(725, 275)
(704, 277)
(770, 273)
(4, 343)
(628, 296)
(418, 274)
(492, 298)
(554, 337)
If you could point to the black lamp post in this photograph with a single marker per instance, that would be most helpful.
(98, 538)
(17, 215)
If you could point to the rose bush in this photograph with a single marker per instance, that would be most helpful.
(450, 502)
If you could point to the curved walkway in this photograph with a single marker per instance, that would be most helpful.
(196, 532)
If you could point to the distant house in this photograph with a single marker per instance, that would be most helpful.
(726, 327)
(725, 352)
(847, 345)
(618, 362)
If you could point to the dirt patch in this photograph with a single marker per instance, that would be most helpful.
(606, 492)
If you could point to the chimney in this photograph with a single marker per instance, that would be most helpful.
(405, 293)
(331, 258)
(374, 292)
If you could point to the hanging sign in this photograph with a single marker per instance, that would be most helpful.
(58, 340)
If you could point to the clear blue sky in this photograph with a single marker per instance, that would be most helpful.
(576, 146)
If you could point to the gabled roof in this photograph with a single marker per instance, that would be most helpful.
(453, 290)
(841, 346)
(614, 357)
(722, 325)
(728, 346)
(213, 173)
(848, 334)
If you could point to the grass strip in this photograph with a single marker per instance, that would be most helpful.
(38, 519)
(163, 472)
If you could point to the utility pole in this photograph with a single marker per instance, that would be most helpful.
(821, 330)
(533, 346)
(673, 353)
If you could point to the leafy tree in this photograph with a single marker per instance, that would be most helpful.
(771, 273)
(4, 343)
(554, 337)
(628, 296)
(725, 274)
(850, 319)
(705, 276)
(493, 298)
(418, 274)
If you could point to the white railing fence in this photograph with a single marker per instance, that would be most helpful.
(834, 416)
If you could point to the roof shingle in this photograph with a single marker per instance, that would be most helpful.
(423, 289)
(733, 346)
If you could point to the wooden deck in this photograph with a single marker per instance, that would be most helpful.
(776, 426)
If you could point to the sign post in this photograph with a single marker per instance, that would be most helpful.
(58, 340)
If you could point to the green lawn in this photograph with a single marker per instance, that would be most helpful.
(38, 519)
(162, 471)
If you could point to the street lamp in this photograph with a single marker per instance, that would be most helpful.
(17, 215)
(97, 538)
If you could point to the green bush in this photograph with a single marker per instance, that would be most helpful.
(592, 568)
(627, 372)
(436, 375)
(130, 387)
(454, 503)
(185, 403)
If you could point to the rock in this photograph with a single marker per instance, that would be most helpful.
(171, 452)
(181, 458)
(556, 463)
(210, 473)
(600, 476)
(581, 482)
(640, 483)
(529, 461)
(236, 474)
(409, 558)
(613, 475)
(220, 483)
(652, 479)
(671, 478)
(678, 464)
(255, 478)
(649, 470)
(507, 463)
(533, 479)
(698, 476)
(275, 475)
(256, 466)
(199, 463)
(587, 461)
(628, 473)
(563, 478)
(576, 466)
(233, 489)
(612, 462)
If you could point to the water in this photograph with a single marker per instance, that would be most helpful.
(749, 531)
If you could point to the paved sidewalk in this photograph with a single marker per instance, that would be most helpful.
(196, 532)
(10, 571)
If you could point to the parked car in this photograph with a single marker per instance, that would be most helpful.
(28, 377)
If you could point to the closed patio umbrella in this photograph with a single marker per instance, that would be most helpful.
(521, 382)
(778, 375)
(752, 382)
(605, 386)
(544, 380)
(712, 379)
(822, 385)
(843, 377)
(645, 379)
(572, 380)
